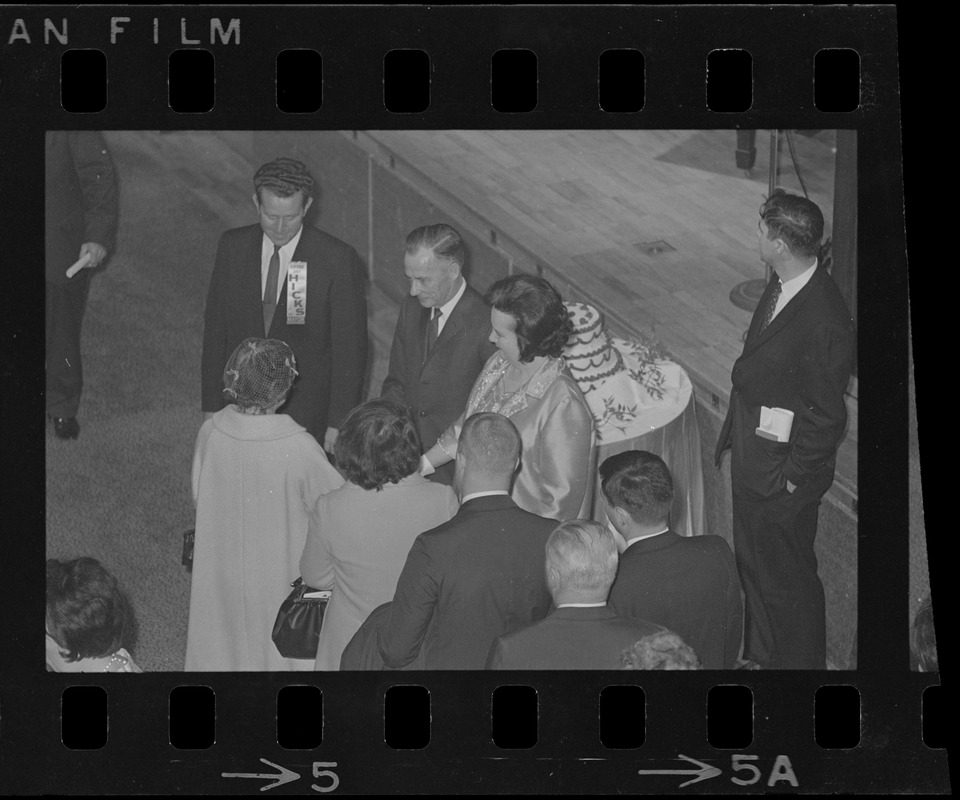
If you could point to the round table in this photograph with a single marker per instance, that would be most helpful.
(677, 442)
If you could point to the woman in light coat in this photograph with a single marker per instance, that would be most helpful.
(362, 532)
(256, 476)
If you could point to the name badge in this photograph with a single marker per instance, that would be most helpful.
(297, 293)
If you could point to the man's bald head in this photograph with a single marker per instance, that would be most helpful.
(487, 453)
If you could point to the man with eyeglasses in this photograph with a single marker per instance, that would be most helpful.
(281, 279)
(796, 361)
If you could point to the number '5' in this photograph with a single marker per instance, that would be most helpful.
(318, 772)
(738, 765)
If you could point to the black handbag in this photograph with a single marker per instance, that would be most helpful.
(296, 632)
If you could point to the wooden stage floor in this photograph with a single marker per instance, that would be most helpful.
(655, 227)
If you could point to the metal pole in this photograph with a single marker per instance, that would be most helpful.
(747, 294)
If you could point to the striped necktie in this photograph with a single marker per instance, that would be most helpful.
(771, 306)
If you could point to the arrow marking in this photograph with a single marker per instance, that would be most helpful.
(704, 771)
(284, 776)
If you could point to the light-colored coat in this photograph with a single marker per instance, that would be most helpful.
(358, 545)
(255, 480)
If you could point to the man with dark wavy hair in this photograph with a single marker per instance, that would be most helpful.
(688, 584)
(281, 279)
(798, 356)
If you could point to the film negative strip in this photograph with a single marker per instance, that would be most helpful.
(189, 99)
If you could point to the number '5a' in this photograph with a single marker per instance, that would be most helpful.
(782, 770)
(320, 771)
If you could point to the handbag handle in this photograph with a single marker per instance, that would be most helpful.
(303, 591)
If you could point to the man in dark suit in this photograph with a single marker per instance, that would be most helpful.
(798, 356)
(81, 203)
(687, 584)
(582, 632)
(441, 341)
(285, 280)
(480, 574)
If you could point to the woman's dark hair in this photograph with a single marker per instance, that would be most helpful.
(87, 613)
(543, 325)
(663, 650)
(378, 444)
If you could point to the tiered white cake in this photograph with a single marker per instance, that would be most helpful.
(588, 352)
(630, 388)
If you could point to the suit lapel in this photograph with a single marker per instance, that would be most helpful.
(453, 329)
(779, 322)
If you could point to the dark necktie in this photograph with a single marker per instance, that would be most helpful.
(270, 292)
(771, 306)
(433, 331)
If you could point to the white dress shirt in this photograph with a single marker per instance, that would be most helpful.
(448, 307)
(483, 494)
(645, 536)
(790, 288)
(286, 256)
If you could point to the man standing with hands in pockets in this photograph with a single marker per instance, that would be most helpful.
(798, 356)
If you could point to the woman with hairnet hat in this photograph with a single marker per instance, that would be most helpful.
(256, 475)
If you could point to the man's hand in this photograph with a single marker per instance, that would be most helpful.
(330, 439)
(97, 253)
(791, 487)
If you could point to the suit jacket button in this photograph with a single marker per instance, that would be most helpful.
(423, 413)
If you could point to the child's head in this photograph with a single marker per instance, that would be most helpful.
(259, 374)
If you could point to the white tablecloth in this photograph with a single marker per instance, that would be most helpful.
(677, 442)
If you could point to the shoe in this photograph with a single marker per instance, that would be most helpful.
(66, 427)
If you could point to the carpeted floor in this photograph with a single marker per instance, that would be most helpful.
(121, 492)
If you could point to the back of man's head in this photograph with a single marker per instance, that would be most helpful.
(489, 445)
(639, 483)
(581, 561)
(796, 220)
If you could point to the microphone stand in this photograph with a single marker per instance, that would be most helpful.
(746, 295)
